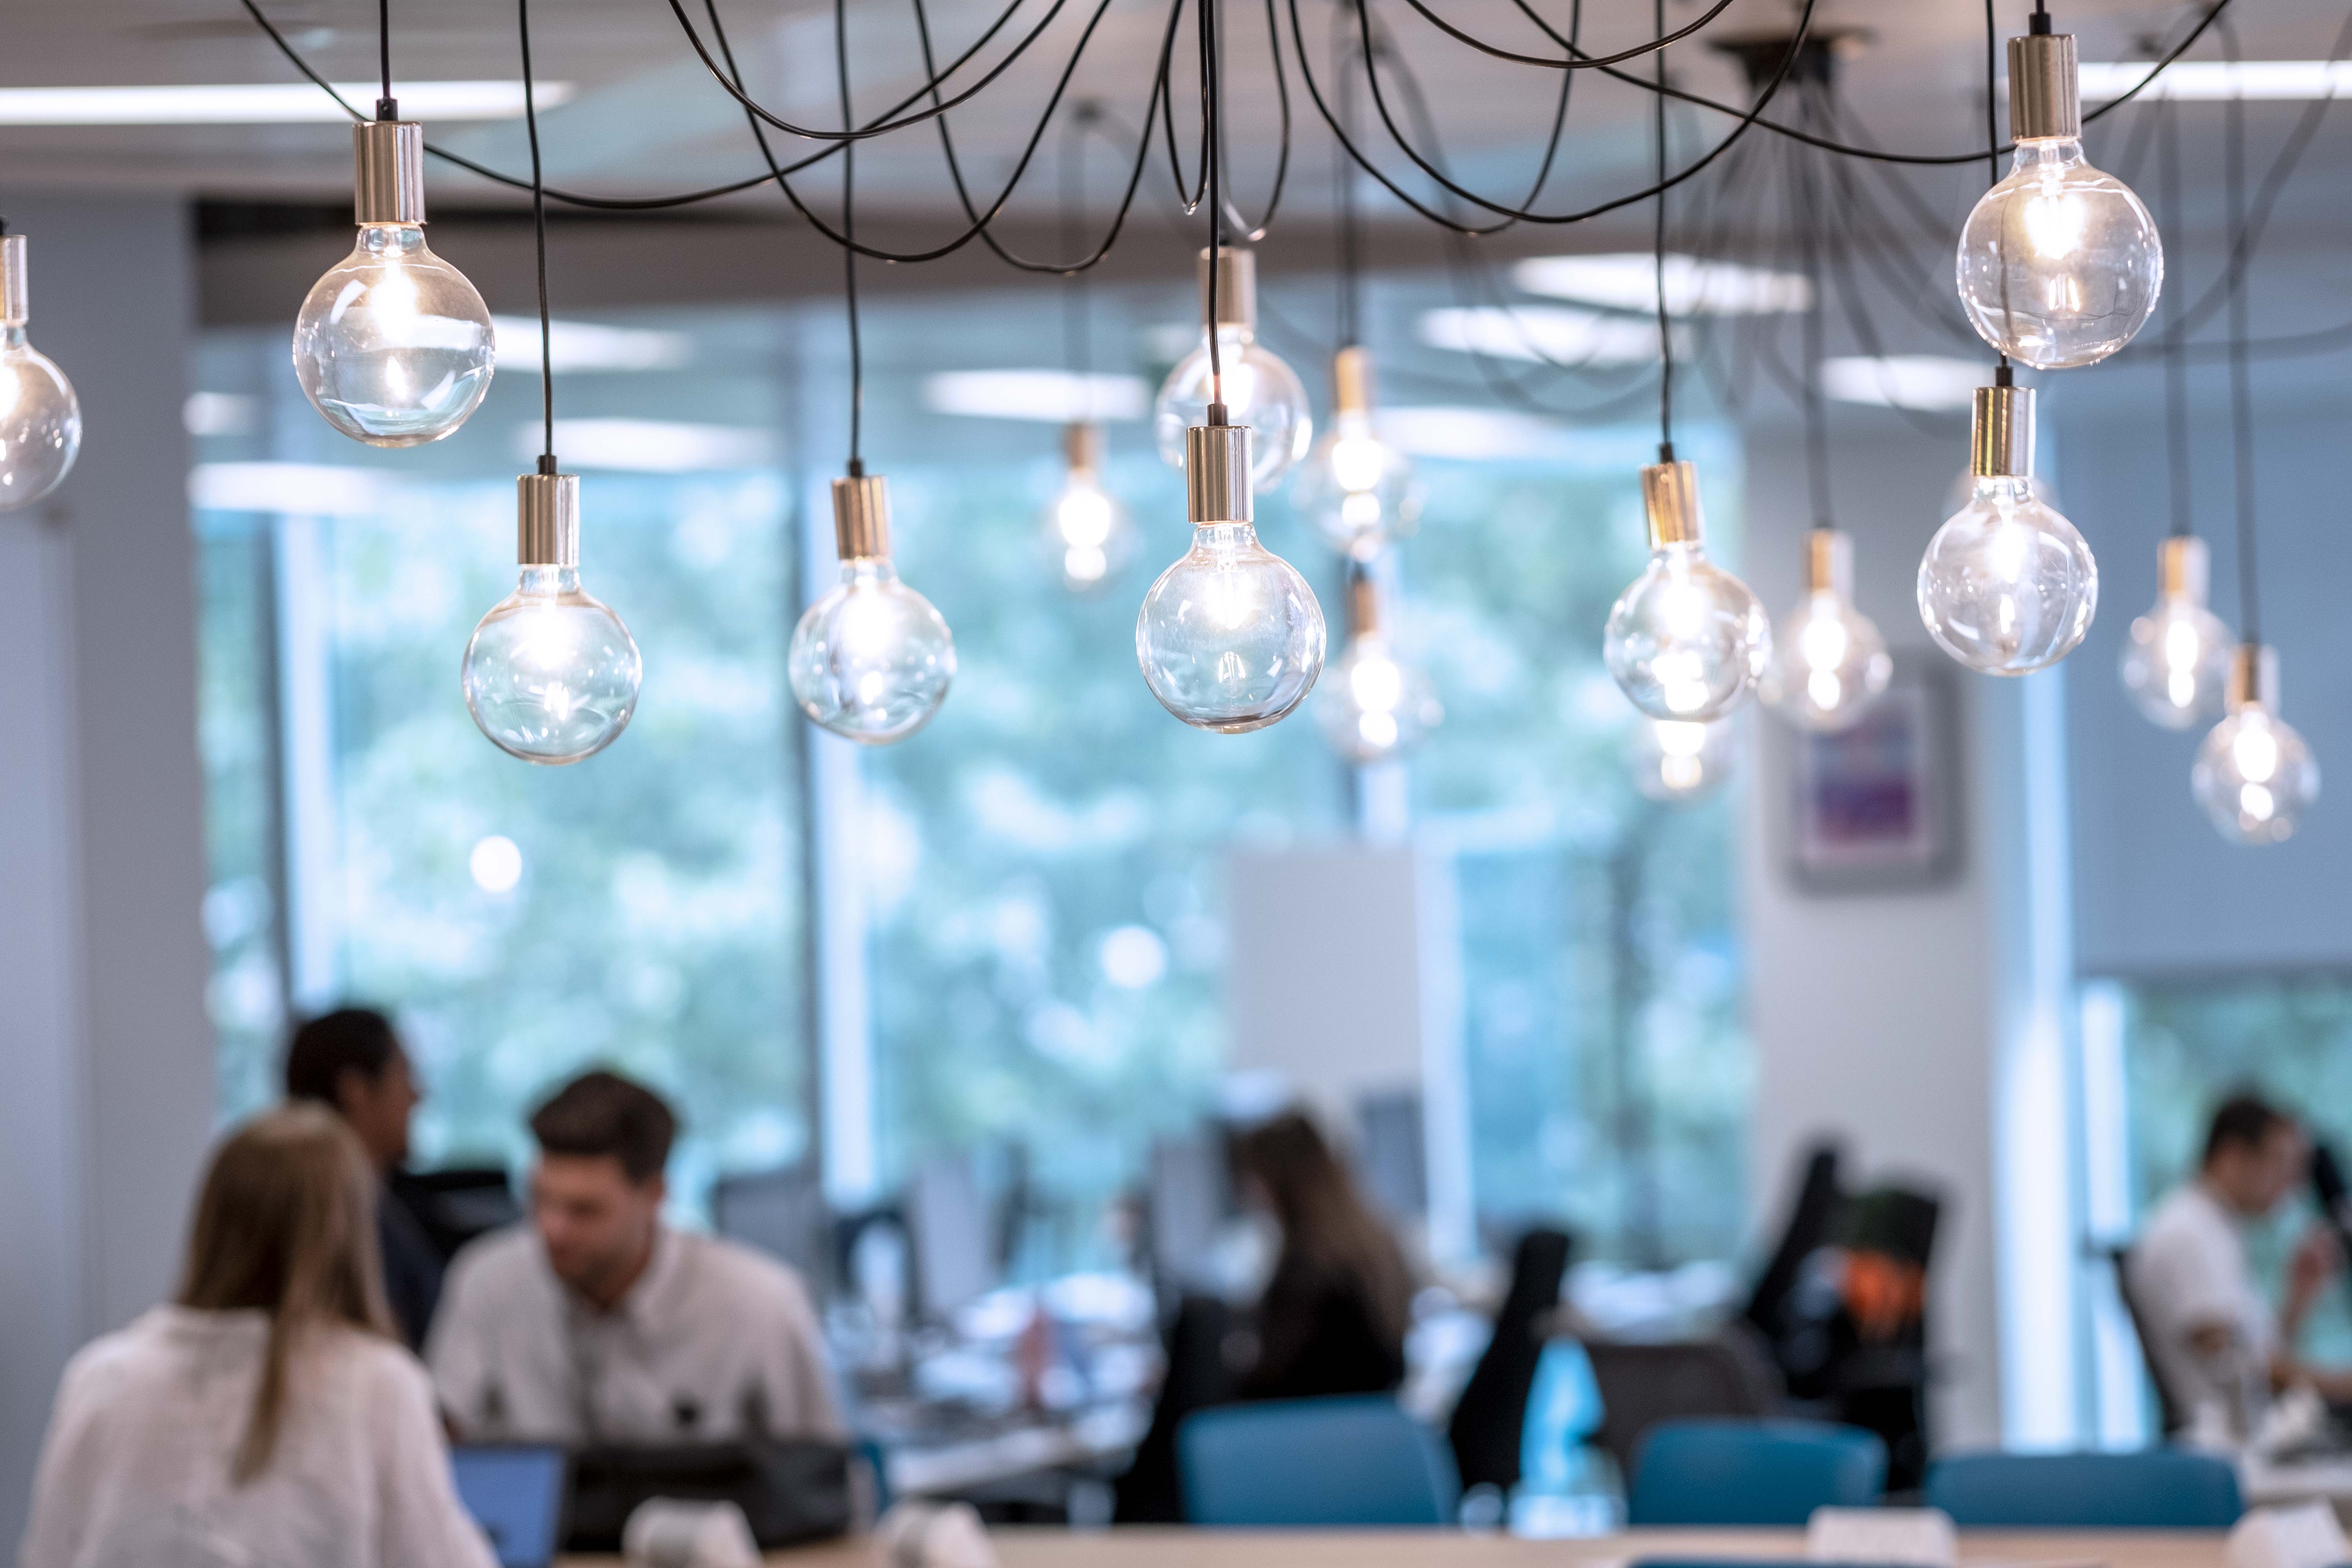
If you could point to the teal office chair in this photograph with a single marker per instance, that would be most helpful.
(2161, 1489)
(1350, 1460)
(1755, 1473)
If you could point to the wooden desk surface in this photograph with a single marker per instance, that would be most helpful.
(1161, 1548)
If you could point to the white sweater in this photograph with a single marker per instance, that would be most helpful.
(135, 1471)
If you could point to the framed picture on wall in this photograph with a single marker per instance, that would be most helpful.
(1872, 808)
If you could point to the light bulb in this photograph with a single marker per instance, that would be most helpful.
(1677, 760)
(2059, 264)
(1829, 662)
(871, 660)
(2176, 663)
(1260, 391)
(1230, 638)
(40, 418)
(1086, 530)
(2007, 585)
(551, 674)
(1356, 489)
(2254, 776)
(1374, 707)
(1687, 640)
(393, 345)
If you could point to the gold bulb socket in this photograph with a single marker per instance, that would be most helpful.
(1828, 562)
(1670, 497)
(1363, 604)
(2045, 95)
(861, 518)
(2253, 677)
(16, 287)
(388, 172)
(1217, 474)
(1081, 446)
(2182, 570)
(547, 520)
(1351, 380)
(1236, 274)
(2000, 439)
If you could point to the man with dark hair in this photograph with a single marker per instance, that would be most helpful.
(597, 1323)
(350, 1060)
(2213, 1337)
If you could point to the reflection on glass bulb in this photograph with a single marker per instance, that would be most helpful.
(2176, 663)
(1677, 760)
(1261, 392)
(2255, 778)
(1828, 661)
(2059, 264)
(1686, 640)
(2007, 585)
(1374, 707)
(1357, 490)
(551, 674)
(872, 660)
(394, 345)
(40, 418)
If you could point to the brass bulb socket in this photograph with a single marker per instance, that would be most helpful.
(2045, 94)
(388, 172)
(1351, 380)
(861, 518)
(1081, 446)
(547, 520)
(15, 286)
(1670, 500)
(1217, 475)
(2253, 677)
(2183, 571)
(2000, 437)
(1828, 562)
(1236, 279)
(1363, 602)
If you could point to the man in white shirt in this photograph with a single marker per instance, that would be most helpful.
(2212, 1335)
(597, 1323)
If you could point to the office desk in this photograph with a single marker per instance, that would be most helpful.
(1158, 1548)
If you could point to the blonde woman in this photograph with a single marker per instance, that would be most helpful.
(269, 1419)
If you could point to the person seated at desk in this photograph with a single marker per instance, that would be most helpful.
(269, 1415)
(351, 1061)
(2213, 1337)
(596, 1324)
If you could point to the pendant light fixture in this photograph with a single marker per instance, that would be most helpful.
(1374, 707)
(1679, 762)
(2058, 265)
(40, 418)
(1260, 390)
(1230, 638)
(551, 674)
(394, 345)
(1086, 528)
(1687, 640)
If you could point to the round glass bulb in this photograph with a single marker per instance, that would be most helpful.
(2176, 663)
(1230, 638)
(1678, 761)
(871, 660)
(2059, 264)
(40, 421)
(1375, 707)
(1829, 664)
(2007, 585)
(1687, 640)
(1088, 532)
(1357, 490)
(394, 345)
(551, 674)
(2255, 777)
(1261, 392)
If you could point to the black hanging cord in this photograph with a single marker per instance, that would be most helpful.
(385, 109)
(850, 249)
(1992, 141)
(1343, 193)
(1658, 259)
(538, 236)
(1811, 237)
(2175, 363)
(1077, 322)
(1214, 153)
(2242, 403)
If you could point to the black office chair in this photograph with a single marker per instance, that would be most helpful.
(2167, 1408)
(1493, 1410)
(454, 1207)
(1643, 1384)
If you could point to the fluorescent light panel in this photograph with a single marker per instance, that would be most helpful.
(1927, 382)
(1628, 280)
(1055, 397)
(587, 345)
(2208, 80)
(1539, 332)
(296, 489)
(649, 445)
(263, 103)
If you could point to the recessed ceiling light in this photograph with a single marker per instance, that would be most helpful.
(1055, 396)
(1928, 382)
(649, 445)
(263, 103)
(1628, 280)
(2210, 79)
(1540, 333)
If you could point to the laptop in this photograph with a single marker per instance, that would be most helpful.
(515, 1492)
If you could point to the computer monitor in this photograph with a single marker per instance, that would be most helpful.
(1190, 1200)
(954, 1245)
(1390, 1154)
(784, 1214)
(516, 1494)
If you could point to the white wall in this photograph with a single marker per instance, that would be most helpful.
(102, 959)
